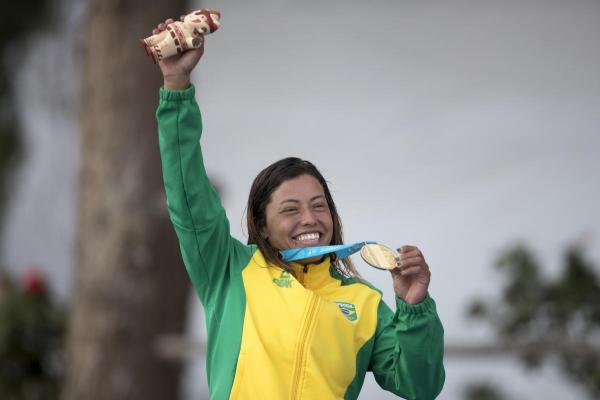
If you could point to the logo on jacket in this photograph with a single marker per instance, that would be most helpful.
(284, 280)
(348, 309)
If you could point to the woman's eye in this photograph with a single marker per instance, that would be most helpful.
(289, 210)
(319, 206)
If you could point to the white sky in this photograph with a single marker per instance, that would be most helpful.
(458, 126)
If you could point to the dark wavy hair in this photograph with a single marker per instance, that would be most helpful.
(265, 183)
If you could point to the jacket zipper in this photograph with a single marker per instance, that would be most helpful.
(302, 348)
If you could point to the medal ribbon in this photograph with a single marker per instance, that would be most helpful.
(341, 251)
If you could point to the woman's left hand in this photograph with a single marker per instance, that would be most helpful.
(411, 276)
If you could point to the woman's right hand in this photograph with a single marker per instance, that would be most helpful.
(177, 69)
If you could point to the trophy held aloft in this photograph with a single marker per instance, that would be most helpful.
(182, 35)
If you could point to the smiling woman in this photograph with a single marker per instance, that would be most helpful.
(298, 215)
(288, 330)
(290, 206)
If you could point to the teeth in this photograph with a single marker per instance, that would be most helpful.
(308, 236)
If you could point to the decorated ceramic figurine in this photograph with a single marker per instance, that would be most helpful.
(182, 35)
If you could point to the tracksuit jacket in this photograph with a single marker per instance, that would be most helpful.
(273, 335)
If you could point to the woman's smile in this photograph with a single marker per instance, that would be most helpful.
(298, 215)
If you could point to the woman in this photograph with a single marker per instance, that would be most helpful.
(276, 330)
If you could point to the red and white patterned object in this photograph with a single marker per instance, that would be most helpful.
(182, 35)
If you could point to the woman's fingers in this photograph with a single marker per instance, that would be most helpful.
(406, 254)
(412, 270)
(411, 256)
(409, 262)
(407, 248)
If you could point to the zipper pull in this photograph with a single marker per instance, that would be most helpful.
(305, 268)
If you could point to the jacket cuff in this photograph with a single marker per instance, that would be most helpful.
(177, 95)
(427, 305)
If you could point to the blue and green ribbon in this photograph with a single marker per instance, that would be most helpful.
(340, 250)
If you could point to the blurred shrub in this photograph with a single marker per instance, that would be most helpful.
(17, 22)
(31, 330)
(542, 319)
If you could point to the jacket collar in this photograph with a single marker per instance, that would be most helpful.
(312, 275)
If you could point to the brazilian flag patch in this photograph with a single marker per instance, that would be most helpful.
(348, 309)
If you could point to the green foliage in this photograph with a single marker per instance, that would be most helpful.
(31, 330)
(9, 152)
(546, 319)
(31, 326)
(17, 21)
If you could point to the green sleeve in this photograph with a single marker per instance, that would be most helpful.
(209, 252)
(408, 350)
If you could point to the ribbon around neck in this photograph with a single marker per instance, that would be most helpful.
(341, 251)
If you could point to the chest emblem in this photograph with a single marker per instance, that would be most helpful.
(348, 309)
(284, 280)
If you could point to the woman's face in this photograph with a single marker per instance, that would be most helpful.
(298, 215)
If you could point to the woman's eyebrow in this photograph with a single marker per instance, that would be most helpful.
(289, 201)
(317, 197)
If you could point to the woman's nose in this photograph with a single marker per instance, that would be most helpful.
(308, 217)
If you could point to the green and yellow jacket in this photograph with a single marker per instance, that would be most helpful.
(273, 335)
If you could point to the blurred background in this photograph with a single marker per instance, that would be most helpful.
(468, 128)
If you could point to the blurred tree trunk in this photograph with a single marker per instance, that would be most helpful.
(129, 286)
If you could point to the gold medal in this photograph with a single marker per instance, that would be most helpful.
(379, 256)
